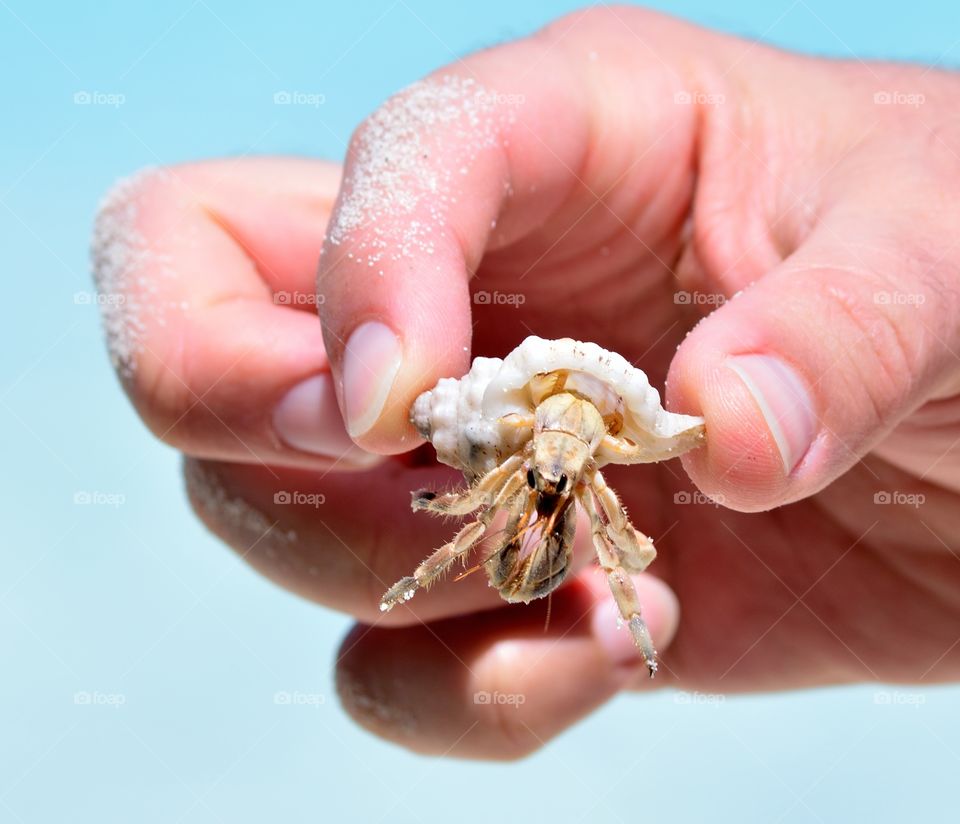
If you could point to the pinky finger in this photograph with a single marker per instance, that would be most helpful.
(497, 685)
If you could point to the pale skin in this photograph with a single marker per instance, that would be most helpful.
(798, 189)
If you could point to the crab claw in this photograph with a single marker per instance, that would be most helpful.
(420, 499)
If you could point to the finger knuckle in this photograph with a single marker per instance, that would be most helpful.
(614, 18)
(876, 344)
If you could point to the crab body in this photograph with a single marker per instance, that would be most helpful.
(530, 434)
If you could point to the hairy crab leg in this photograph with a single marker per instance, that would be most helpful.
(636, 549)
(624, 592)
(441, 560)
(483, 493)
(517, 525)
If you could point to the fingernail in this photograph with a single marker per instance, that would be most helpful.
(784, 401)
(370, 363)
(308, 419)
(661, 613)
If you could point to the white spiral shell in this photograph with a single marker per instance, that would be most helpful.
(461, 417)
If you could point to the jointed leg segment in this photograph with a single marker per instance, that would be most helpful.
(441, 560)
(620, 548)
(468, 500)
(501, 565)
(636, 549)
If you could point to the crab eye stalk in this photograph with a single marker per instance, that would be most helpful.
(562, 483)
(531, 479)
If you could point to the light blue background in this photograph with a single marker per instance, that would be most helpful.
(139, 601)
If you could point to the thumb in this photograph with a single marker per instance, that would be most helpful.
(802, 373)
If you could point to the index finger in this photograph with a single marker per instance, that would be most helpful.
(467, 160)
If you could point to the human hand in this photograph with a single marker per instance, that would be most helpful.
(608, 161)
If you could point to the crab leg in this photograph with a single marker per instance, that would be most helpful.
(518, 421)
(501, 563)
(483, 493)
(636, 549)
(441, 560)
(624, 592)
(616, 449)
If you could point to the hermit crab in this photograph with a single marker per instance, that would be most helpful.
(530, 433)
